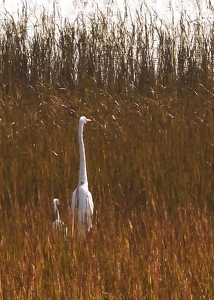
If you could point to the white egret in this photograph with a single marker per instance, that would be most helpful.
(82, 205)
(58, 225)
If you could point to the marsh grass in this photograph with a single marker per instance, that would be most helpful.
(149, 157)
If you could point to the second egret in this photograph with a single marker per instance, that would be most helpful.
(58, 225)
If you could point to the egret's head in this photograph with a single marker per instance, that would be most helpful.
(56, 202)
(83, 120)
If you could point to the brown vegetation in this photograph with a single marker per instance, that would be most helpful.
(149, 156)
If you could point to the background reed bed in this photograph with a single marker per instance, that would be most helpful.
(149, 156)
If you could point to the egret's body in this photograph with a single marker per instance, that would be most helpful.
(82, 205)
(58, 225)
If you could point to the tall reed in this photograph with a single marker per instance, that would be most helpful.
(149, 91)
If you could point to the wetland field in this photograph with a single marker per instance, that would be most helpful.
(149, 92)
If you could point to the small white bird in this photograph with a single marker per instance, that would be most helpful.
(82, 205)
(58, 225)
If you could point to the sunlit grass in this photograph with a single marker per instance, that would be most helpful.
(149, 152)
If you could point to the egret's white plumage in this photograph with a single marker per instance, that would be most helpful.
(82, 205)
(58, 225)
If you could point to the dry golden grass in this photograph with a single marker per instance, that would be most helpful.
(149, 157)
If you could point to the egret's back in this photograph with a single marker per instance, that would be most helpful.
(82, 207)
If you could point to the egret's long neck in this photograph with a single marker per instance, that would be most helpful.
(83, 173)
(56, 211)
